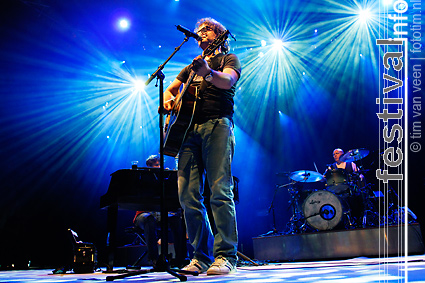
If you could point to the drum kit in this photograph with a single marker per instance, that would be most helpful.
(334, 200)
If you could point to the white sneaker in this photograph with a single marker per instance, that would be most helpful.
(221, 266)
(196, 266)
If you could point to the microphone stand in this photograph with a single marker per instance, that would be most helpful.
(162, 265)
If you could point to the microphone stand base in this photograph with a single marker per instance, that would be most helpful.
(162, 265)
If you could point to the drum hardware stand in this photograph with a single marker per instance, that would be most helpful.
(393, 210)
(303, 228)
(271, 208)
(293, 224)
(366, 217)
(351, 219)
(350, 222)
(368, 208)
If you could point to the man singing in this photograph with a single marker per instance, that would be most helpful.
(208, 150)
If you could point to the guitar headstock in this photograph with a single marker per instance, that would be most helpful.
(216, 43)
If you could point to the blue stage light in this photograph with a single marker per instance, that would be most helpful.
(123, 24)
(400, 6)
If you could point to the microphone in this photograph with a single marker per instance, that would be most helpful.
(188, 33)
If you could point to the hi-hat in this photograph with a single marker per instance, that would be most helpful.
(306, 176)
(354, 155)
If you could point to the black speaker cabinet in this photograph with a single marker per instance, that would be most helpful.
(85, 258)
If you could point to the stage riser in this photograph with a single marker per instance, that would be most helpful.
(371, 242)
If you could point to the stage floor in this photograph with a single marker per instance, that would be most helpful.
(393, 269)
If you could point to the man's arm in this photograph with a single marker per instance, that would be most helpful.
(223, 80)
(355, 169)
(353, 165)
(170, 93)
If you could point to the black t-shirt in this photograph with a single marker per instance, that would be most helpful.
(213, 102)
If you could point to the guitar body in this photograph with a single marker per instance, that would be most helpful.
(178, 122)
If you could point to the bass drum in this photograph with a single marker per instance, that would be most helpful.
(322, 210)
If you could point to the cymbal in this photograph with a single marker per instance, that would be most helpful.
(354, 155)
(306, 176)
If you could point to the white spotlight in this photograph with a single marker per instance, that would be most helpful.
(364, 15)
(278, 43)
(138, 85)
(123, 24)
(263, 43)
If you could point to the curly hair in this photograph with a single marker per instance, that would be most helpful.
(218, 29)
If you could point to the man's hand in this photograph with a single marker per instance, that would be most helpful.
(168, 104)
(200, 66)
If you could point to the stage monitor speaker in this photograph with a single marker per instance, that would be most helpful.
(85, 255)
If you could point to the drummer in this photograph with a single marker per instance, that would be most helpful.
(349, 167)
